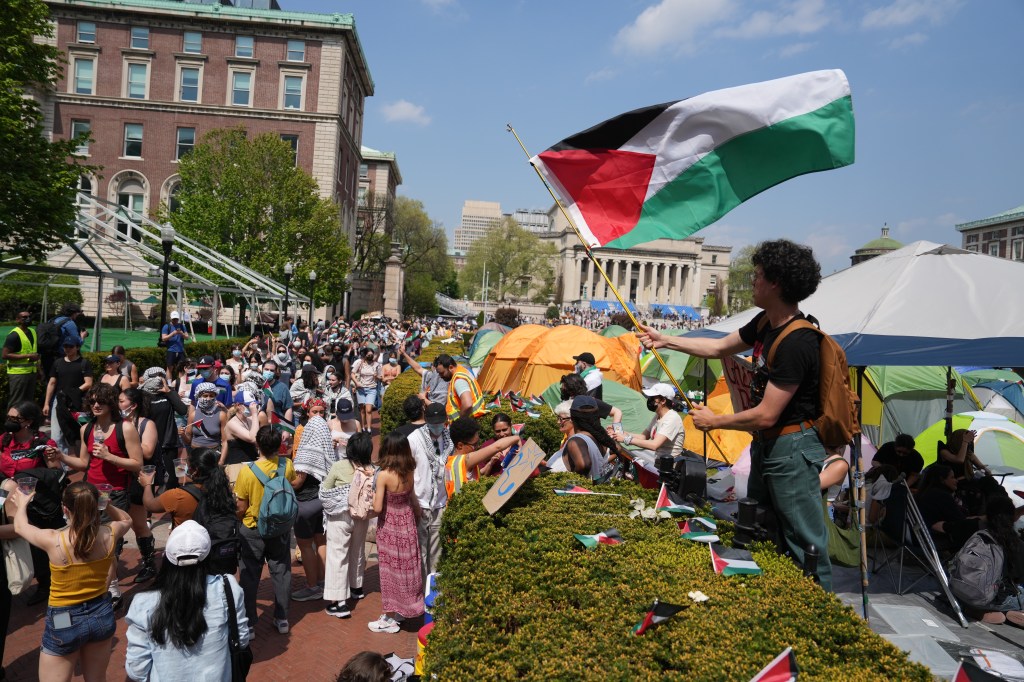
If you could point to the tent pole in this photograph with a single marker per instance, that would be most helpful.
(857, 475)
(950, 397)
(704, 390)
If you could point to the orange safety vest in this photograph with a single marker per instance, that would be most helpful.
(454, 406)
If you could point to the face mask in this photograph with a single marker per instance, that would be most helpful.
(436, 429)
(205, 403)
(297, 344)
(392, 361)
(307, 363)
(11, 426)
(282, 358)
(206, 373)
(652, 404)
(332, 337)
(225, 377)
(253, 365)
(127, 414)
(268, 375)
(236, 353)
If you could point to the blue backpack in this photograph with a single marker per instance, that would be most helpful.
(279, 508)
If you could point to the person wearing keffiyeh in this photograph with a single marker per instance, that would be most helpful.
(164, 404)
(313, 458)
(207, 420)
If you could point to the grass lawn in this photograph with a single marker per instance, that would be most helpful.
(117, 336)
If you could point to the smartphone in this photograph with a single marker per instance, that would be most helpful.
(62, 620)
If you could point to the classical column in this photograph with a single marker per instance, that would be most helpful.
(590, 279)
(641, 295)
(677, 284)
(657, 277)
(606, 263)
(614, 274)
(627, 285)
(697, 293)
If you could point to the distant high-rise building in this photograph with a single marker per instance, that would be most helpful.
(532, 219)
(477, 218)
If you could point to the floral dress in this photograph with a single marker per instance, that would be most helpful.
(398, 558)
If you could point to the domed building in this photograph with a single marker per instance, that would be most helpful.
(875, 247)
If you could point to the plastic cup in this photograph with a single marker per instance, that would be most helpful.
(27, 485)
(180, 467)
(105, 490)
(149, 469)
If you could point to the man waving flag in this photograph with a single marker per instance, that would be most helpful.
(671, 169)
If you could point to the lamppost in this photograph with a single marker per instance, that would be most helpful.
(167, 240)
(288, 270)
(312, 291)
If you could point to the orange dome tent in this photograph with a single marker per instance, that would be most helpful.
(530, 358)
(730, 443)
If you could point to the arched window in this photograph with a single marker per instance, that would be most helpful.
(173, 203)
(131, 196)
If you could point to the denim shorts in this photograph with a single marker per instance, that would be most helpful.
(367, 396)
(91, 621)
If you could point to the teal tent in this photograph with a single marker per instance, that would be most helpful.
(483, 342)
(686, 369)
(635, 415)
(613, 331)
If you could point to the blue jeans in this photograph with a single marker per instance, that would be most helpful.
(91, 621)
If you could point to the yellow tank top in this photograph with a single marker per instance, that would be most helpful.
(76, 583)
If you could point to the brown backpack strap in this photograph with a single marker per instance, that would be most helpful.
(791, 327)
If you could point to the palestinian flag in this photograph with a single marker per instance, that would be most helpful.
(282, 423)
(535, 401)
(729, 561)
(199, 424)
(699, 530)
(660, 611)
(572, 489)
(531, 414)
(782, 669)
(608, 537)
(665, 503)
(517, 429)
(670, 169)
(266, 390)
(495, 403)
(82, 417)
(969, 671)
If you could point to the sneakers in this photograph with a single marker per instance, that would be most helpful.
(384, 624)
(308, 593)
(282, 626)
(356, 593)
(338, 610)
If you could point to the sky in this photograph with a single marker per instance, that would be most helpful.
(937, 96)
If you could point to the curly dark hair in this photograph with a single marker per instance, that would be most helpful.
(105, 395)
(791, 266)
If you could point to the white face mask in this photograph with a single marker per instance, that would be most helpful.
(225, 377)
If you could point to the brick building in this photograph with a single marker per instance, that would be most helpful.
(1001, 235)
(148, 78)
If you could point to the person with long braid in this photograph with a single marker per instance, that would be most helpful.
(587, 450)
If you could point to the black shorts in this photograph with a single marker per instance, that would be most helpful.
(310, 521)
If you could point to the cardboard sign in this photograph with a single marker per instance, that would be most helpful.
(519, 469)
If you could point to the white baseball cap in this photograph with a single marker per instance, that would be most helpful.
(188, 544)
(666, 391)
(175, 315)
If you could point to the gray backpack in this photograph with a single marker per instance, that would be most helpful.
(976, 571)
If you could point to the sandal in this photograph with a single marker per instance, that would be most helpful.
(1015, 618)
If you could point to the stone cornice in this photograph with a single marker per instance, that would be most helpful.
(197, 109)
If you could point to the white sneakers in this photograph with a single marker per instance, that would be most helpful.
(384, 624)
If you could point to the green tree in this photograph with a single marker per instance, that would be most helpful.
(16, 294)
(246, 198)
(419, 295)
(741, 288)
(37, 180)
(374, 233)
(516, 260)
(424, 255)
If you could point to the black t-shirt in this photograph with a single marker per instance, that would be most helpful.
(406, 429)
(70, 375)
(796, 362)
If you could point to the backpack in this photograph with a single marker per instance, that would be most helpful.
(50, 335)
(838, 422)
(225, 542)
(279, 507)
(976, 571)
(360, 494)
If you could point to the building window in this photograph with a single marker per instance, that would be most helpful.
(714, 259)
(188, 88)
(140, 38)
(1017, 231)
(86, 32)
(130, 197)
(973, 248)
(972, 238)
(80, 128)
(241, 88)
(85, 76)
(364, 170)
(186, 141)
(993, 249)
(361, 196)
(133, 140)
(1018, 249)
(712, 281)
(292, 97)
(244, 46)
(192, 42)
(137, 80)
(293, 140)
(173, 202)
(296, 50)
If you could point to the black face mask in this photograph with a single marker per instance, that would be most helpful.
(652, 404)
(11, 426)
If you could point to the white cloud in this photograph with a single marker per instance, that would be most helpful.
(671, 24)
(404, 111)
(906, 12)
(600, 75)
(911, 40)
(800, 17)
(437, 4)
(794, 49)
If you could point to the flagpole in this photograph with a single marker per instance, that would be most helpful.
(608, 281)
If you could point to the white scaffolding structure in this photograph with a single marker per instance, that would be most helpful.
(103, 230)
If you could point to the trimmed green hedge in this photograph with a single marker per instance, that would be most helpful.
(522, 599)
(143, 358)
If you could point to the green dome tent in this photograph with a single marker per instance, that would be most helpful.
(613, 331)
(635, 415)
(685, 368)
(482, 344)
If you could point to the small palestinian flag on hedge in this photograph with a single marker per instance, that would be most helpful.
(666, 503)
(495, 403)
(517, 429)
(699, 529)
(730, 561)
(660, 611)
(782, 669)
(532, 415)
(282, 423)
(534, 400)
(573, 489)
(608, 537)
(969, 671)
(670, 169)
